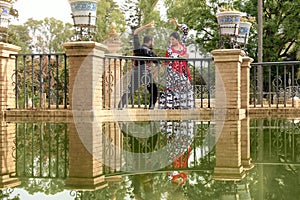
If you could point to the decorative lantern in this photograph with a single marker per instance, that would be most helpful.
(229, 25)
(4, 15)
(229, 22)
(84, 14)
(244, 30)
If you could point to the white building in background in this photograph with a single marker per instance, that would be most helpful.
(196, 52)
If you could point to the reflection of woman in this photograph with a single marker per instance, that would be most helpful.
(178, 92)
(177, 177)
(180, 162)
(179, 136)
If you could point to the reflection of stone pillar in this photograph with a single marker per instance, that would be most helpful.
(228, 151)
(86, 70)
(245, 142)
(85, 154)
(7, 162)
(7, 67)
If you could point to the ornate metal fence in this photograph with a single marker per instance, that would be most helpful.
(118, 72)
(277, 85)
(40, 81)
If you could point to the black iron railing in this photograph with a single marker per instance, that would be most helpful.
(40, 81)
(275, 84)
(118, 72)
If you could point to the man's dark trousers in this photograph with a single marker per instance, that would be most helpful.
(140, 77)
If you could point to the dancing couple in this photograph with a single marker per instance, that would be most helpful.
(178, 91)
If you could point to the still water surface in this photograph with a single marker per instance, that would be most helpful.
(244, 159)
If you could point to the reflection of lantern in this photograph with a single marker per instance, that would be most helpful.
(84, 14)
(244, 30)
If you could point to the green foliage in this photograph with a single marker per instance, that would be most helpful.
(140, 12)
(42, 156)
(281, 25)
(108, 12)
(18, 35)
(281, 30)
(40, 36)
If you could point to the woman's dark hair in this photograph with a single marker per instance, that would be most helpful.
(175, 35)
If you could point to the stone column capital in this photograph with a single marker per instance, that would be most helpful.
(7, 49)
(83, 48)
(228, 55)
(247, 61)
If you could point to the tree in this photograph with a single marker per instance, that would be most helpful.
(108, 12)
(140, 12)
(18, 35)
(41, 36)
(281, 25)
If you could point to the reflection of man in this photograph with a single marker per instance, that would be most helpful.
(141, 75)
(139, 142)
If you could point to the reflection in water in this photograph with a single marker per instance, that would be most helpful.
(50, 158)
(275, 148)
(152, 146)
(41, 150)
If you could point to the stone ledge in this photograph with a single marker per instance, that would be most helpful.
(203, 114)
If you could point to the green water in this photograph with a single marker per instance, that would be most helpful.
(50, 161)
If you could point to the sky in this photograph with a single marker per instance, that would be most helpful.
(40, 9)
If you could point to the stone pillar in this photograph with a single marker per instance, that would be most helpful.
(85, 77)
(232, 102)
(228, 78)
(85, 89)
(245, 82)
(7, 67)
(7, 161)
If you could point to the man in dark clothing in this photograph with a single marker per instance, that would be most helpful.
(141, 74)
